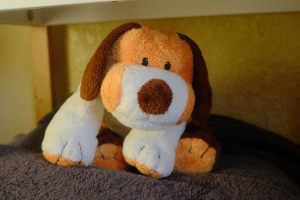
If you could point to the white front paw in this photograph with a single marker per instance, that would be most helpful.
(72, 132)
(153, 152)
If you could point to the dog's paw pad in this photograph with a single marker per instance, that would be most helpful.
(110, 156)
(194, 155)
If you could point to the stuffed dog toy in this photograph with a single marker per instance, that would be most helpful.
(152, 83)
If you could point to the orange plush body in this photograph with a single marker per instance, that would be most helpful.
(155, 83)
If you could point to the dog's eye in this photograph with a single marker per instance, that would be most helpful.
(145, 61)
(167, 66)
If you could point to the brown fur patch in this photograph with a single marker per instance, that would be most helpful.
(107, 136)
(155, 97)
(201, 84)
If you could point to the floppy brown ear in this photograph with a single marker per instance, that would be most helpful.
(95, 70)
(201, 84)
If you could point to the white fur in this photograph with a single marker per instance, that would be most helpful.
(73, 130)
(154, 149)
(129, 113)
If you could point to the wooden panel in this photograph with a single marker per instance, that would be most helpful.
(41, 71)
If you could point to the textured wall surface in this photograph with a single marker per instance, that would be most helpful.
(253, 62)
(16, 88)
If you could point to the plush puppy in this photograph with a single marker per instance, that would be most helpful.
(151, 82)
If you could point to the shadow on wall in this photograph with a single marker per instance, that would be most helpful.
(58, 59)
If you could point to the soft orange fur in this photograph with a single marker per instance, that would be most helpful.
(189, 106)
(195, 153)
(111, 90)
(110, 156)
(144, 169)
(159, 46)
(60, 160)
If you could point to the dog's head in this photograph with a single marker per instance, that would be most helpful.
(149, 79)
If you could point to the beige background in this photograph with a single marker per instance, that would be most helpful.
(253, 63)
(16, 94)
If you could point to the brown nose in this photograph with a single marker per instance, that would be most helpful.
(155, 97)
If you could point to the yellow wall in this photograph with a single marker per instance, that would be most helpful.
(16, 93)
(253, 62)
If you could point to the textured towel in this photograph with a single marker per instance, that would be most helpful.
(255, 164)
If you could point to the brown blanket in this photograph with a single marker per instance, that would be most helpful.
(255, 164)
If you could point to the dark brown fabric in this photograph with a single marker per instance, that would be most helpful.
(201, 84)
(155, 97)
(95, 70)
(107, 136)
